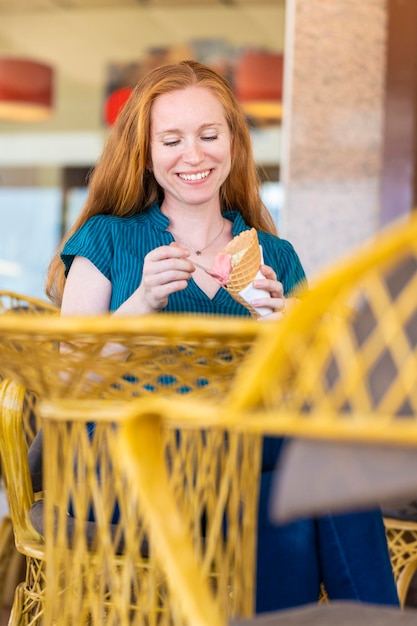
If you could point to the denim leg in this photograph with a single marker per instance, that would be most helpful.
(349, 553)
(354, 558)
(287, 568)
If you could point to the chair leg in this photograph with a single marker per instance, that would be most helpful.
(404, 581)
(29, 604)
(11, 563)
(17, 617)
(411, 597)
(16, 576)
(26, 607)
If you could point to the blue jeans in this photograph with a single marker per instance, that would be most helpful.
(348, 553)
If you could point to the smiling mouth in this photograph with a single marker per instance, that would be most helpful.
(199, 176)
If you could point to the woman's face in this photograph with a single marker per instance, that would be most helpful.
(190, 146)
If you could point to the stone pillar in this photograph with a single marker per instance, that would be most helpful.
(333, 123)
(399, 185)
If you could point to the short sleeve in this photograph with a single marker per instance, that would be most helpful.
(291, 272)
(280, 255)
(94, 241)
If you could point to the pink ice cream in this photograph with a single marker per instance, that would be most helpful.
(221, 267)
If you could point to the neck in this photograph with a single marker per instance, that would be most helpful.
(199, 218)
(201, 240)
(194, 221)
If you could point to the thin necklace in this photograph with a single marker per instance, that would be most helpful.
(201, 250)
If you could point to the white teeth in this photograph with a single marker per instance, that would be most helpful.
(198, 176)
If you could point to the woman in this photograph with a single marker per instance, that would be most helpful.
(175, 183)
(178, 167)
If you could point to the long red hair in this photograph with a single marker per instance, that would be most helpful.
(122, 183)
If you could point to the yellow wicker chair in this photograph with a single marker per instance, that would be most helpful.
(14, 302)
(11, 303)
(86, 572)
(141, 452)
(11, 565)
(402, 541)
(342, 366)
(29, 595)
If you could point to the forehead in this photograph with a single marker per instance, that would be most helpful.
(196, 104)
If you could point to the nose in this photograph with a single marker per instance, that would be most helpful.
(193, 153)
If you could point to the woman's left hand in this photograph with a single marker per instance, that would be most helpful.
(277, 302)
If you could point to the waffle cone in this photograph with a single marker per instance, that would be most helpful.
(248, 266)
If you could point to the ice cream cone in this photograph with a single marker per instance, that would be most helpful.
(246, 269)
(236, 267)
(248, 266)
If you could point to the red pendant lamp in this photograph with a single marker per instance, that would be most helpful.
(258, 84)
(115, 103)
(26, 90)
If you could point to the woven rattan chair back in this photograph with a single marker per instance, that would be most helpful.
(18, 425)
(14, 302)
(11, 303)
(344, 361)
(104, 365)
(28, 604)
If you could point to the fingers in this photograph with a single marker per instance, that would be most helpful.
(276, 300)
(277, 308)
(166, 270)
(172, 260)
(268, 272)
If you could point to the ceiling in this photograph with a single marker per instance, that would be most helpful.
(30, 6)
(89, 37)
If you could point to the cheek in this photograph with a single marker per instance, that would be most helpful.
(158, 174)
(227, 156)
(165, 157)
(227, 161)
(160, 162)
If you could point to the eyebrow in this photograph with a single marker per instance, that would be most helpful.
(167, 131)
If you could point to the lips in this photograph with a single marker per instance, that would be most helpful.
(192, 177)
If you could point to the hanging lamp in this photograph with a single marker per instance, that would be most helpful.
(26, 90)
(115, 103)
(258, 84)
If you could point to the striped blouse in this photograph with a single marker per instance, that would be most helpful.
(117, 246)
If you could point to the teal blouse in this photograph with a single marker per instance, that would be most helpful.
(117, 246)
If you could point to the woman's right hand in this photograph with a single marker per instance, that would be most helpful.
(166, 270)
